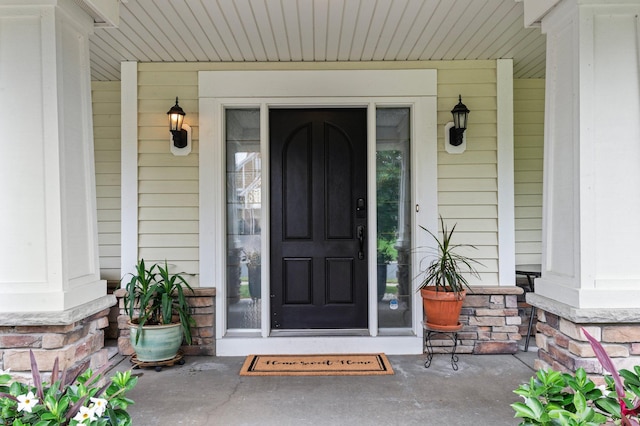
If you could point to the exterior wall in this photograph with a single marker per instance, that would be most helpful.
(528, 155)
(168, 185)
(490, 323)
(77, 345)
(468, 182)
(563, 347)
(106, 136)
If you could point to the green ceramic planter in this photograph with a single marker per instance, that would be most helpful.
(157, 342)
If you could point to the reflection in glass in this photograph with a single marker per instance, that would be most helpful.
(244, 217)
(393, 194)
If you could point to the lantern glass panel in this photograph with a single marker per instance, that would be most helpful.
(175, 121)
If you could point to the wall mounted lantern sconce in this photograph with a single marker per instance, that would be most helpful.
(180, 132)
(455, 138)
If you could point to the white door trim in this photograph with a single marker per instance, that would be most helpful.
(264, 89)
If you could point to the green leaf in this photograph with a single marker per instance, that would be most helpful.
(523, 410)
(580, 402)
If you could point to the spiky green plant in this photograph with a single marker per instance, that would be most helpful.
(154, 296)
(447, 268)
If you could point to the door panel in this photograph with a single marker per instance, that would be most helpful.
(318, 174)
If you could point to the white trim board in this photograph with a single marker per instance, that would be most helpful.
(129, 167)
(310, 84)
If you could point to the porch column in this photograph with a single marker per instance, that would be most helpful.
(51, 294)
(591, 232)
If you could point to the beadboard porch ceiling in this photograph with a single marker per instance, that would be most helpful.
(317, 30)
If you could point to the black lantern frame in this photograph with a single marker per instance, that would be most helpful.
(176, 118)
(460, 114)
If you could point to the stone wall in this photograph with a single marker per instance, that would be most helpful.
(77, 345)
(202, 300)
(489, 316)
(490, 323)
(563, 347)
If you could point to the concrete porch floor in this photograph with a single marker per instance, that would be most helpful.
(209, 391)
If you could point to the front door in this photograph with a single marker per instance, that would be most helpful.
(318, 219)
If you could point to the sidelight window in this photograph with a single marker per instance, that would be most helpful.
(244, 218)
(393, 201)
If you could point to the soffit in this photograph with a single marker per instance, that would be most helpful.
(317, 30)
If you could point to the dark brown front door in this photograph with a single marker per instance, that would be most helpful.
(318, 218)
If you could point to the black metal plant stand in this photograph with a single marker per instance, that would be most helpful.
(449, 334)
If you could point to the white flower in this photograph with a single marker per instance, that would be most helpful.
(27, 402)
(99, 406)
(4, 371)
(85, 414)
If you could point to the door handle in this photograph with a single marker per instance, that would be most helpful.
(360, 235)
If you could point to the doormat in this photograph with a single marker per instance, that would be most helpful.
(316, 365)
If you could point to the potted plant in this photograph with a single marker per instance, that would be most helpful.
(253, 272)
(443, 282)
(158, 312)
(385, 254)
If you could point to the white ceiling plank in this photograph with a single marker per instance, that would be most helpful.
(212, 41)
(190, 31)
(220, 25)
(447, 24)
(408, 19)
(499, 29)
(376, 26)
(497, 15)
(320, 23)
(394, 13)
(166, 19)
(318, 30)
(101, 43)
(266, 30)
(291, 26)
(519, 45)
(363, 23)
(121, 43)
(305, 27)
(467, 24)
(100, 57)
(418, 29)
(349, 20)
(335, 26)
(532, 66)
(504, 44)
(249, 25)
(279, 29)
(136, 18)
(100, 74)
(238, 30)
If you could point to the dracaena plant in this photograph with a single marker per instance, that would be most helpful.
(554, 398)
(154, 296)
(447, 268)
(64, 400)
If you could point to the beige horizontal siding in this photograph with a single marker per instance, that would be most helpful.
(106, 137)
(168, 185)
(528, 163)
(168, 211)
(468, 182)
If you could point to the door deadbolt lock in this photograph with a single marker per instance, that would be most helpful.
(361, 208)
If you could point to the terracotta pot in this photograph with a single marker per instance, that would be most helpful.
(442, 308)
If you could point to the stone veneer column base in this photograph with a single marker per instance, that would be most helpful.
(202, 300)
(75, 337)
(563, 347)
(490, 322)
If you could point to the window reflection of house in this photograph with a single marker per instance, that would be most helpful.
(248, 189)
